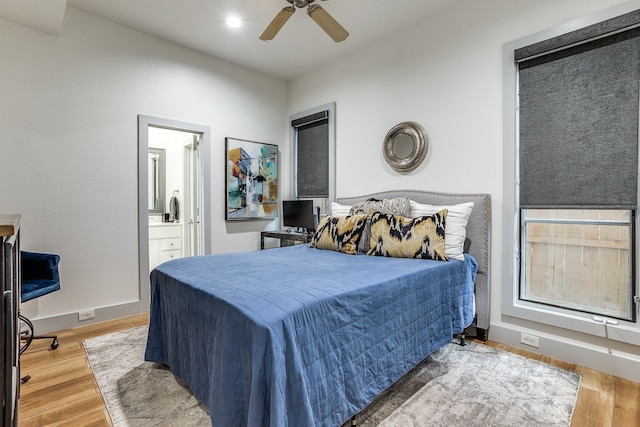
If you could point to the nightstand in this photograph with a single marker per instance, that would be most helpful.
(287, 238)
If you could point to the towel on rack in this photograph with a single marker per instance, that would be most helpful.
(174, 209)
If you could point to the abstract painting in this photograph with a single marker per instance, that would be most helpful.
(251, 180)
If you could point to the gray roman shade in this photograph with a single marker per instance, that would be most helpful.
(312, 155)
(578, 118)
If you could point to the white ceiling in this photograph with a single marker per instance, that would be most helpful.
(42, 15)
(300, 46)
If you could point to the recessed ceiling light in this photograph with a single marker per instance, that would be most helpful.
(234, 22)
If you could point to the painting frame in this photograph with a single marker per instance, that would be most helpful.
(251, 180)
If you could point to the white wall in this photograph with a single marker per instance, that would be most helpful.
(447, 74)
(68, 145)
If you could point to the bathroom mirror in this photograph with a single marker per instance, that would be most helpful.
(156, 180)
(405, 146)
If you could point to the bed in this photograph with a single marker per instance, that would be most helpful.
(298, 336)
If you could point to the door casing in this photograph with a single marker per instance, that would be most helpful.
(144, 122)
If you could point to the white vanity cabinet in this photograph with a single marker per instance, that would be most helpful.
(165, 243)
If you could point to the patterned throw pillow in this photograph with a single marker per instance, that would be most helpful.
(340, 234)
(401, 237)
(456, 229)
(397, 206)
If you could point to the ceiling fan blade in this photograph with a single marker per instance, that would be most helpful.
(327, 23)
(281, 18)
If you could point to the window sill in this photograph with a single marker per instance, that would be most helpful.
(623, 331)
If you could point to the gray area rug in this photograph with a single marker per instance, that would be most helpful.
(475, 385)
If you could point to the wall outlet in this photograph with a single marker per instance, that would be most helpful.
(86, 315)
(531, 340)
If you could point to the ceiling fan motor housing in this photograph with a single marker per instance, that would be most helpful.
(300, 3)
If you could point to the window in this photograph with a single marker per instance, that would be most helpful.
(313, 154)
(578, 259)
(576, 177)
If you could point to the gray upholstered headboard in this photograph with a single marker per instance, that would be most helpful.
(478, 242)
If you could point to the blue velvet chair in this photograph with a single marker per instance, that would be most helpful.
(39, 277)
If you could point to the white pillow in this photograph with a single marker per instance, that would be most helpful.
(339, 210)
(455, 229)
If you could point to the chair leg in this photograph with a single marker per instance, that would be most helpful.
(29, 336)
(53, 338)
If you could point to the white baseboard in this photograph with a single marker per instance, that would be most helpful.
(614, 362)
(70, 320)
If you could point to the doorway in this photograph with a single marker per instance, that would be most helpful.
(180, 225)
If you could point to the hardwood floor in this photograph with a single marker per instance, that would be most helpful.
(62, 390)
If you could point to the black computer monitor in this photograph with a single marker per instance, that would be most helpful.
(299, 214)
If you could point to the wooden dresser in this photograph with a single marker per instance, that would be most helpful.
(10, 341)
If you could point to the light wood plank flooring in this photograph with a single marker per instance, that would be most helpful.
(62, 390)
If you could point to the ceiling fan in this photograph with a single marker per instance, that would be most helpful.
(316, 12)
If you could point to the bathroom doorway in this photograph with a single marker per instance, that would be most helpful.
(174, 193)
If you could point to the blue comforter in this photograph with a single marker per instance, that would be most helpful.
(298, 336)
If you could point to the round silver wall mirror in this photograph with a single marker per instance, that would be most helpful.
(405, 146)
